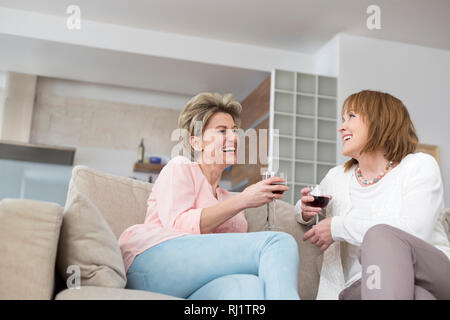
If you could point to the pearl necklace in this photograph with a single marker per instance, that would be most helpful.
(378, 178)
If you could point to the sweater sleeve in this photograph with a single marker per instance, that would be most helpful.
(298, 214)
(421, 205)
(175, 198)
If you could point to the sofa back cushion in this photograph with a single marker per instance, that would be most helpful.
(98, 209)
(29, 232)
(121, 201)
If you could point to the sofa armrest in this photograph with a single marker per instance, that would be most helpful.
(310, 255)
(446, 222)
(29, 232)
(103, 293)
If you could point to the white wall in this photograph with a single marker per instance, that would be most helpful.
(2, 79)
(419, 76)
(2, 96)
(18, 107)
(105, 123)
(113, 161)
(327, 58)
(102, 92)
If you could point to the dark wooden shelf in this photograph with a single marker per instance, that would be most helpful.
(148, 167)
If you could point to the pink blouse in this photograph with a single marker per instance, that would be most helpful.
(174, 208)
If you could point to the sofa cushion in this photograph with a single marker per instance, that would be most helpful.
(121, 201)
(99, 293)
(87, 241)
(29, 232)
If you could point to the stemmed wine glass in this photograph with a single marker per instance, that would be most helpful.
(271, 207)
(320, 200)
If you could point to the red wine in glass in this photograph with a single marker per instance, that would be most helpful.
(279, 183)
(270, 224)
(319, 201)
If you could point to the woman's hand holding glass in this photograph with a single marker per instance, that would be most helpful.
(320, 233)
(262, 192)
(309, 211)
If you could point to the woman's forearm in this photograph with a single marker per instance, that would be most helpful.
(214, 216)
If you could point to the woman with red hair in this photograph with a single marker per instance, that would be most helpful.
(383, 237)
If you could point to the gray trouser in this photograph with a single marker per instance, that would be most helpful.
(398, 265)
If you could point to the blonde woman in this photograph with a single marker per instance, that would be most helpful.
(194, 243)
(383, 237)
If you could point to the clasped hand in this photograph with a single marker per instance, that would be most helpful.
(320, 234)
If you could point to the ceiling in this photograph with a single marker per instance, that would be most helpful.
(300, 26)
(296, 25)
(53, 59)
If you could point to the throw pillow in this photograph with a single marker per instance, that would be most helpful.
(88, 244)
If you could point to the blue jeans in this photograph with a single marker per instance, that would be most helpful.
(253, 266)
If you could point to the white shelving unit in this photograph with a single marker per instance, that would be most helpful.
(303, 107)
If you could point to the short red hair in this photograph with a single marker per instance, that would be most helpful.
(389, 126)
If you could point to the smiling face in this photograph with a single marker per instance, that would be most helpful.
(354, 134)
(219, 142)
(376, 122)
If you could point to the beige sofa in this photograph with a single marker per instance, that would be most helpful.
(40, 240)
(44, 248)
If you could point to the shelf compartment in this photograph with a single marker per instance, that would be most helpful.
(327, 86)
(284, 102)
(322, 171)
(305, 127)
(284, 145)
(304, 172)
(283, 165)
(305, 105)
(326, 152)
(283, 124)
(306, 83)
(327, 130)
(304, 149)
(327, 108)
(284, 80)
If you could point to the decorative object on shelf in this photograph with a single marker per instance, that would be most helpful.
(141, 151)
(155, 160)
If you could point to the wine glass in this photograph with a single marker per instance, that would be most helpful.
(271, 207)
(320, 200)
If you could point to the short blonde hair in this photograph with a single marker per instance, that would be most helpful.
(201, 108)
(389, 125)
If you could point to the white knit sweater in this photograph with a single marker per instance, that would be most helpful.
(412, 201)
